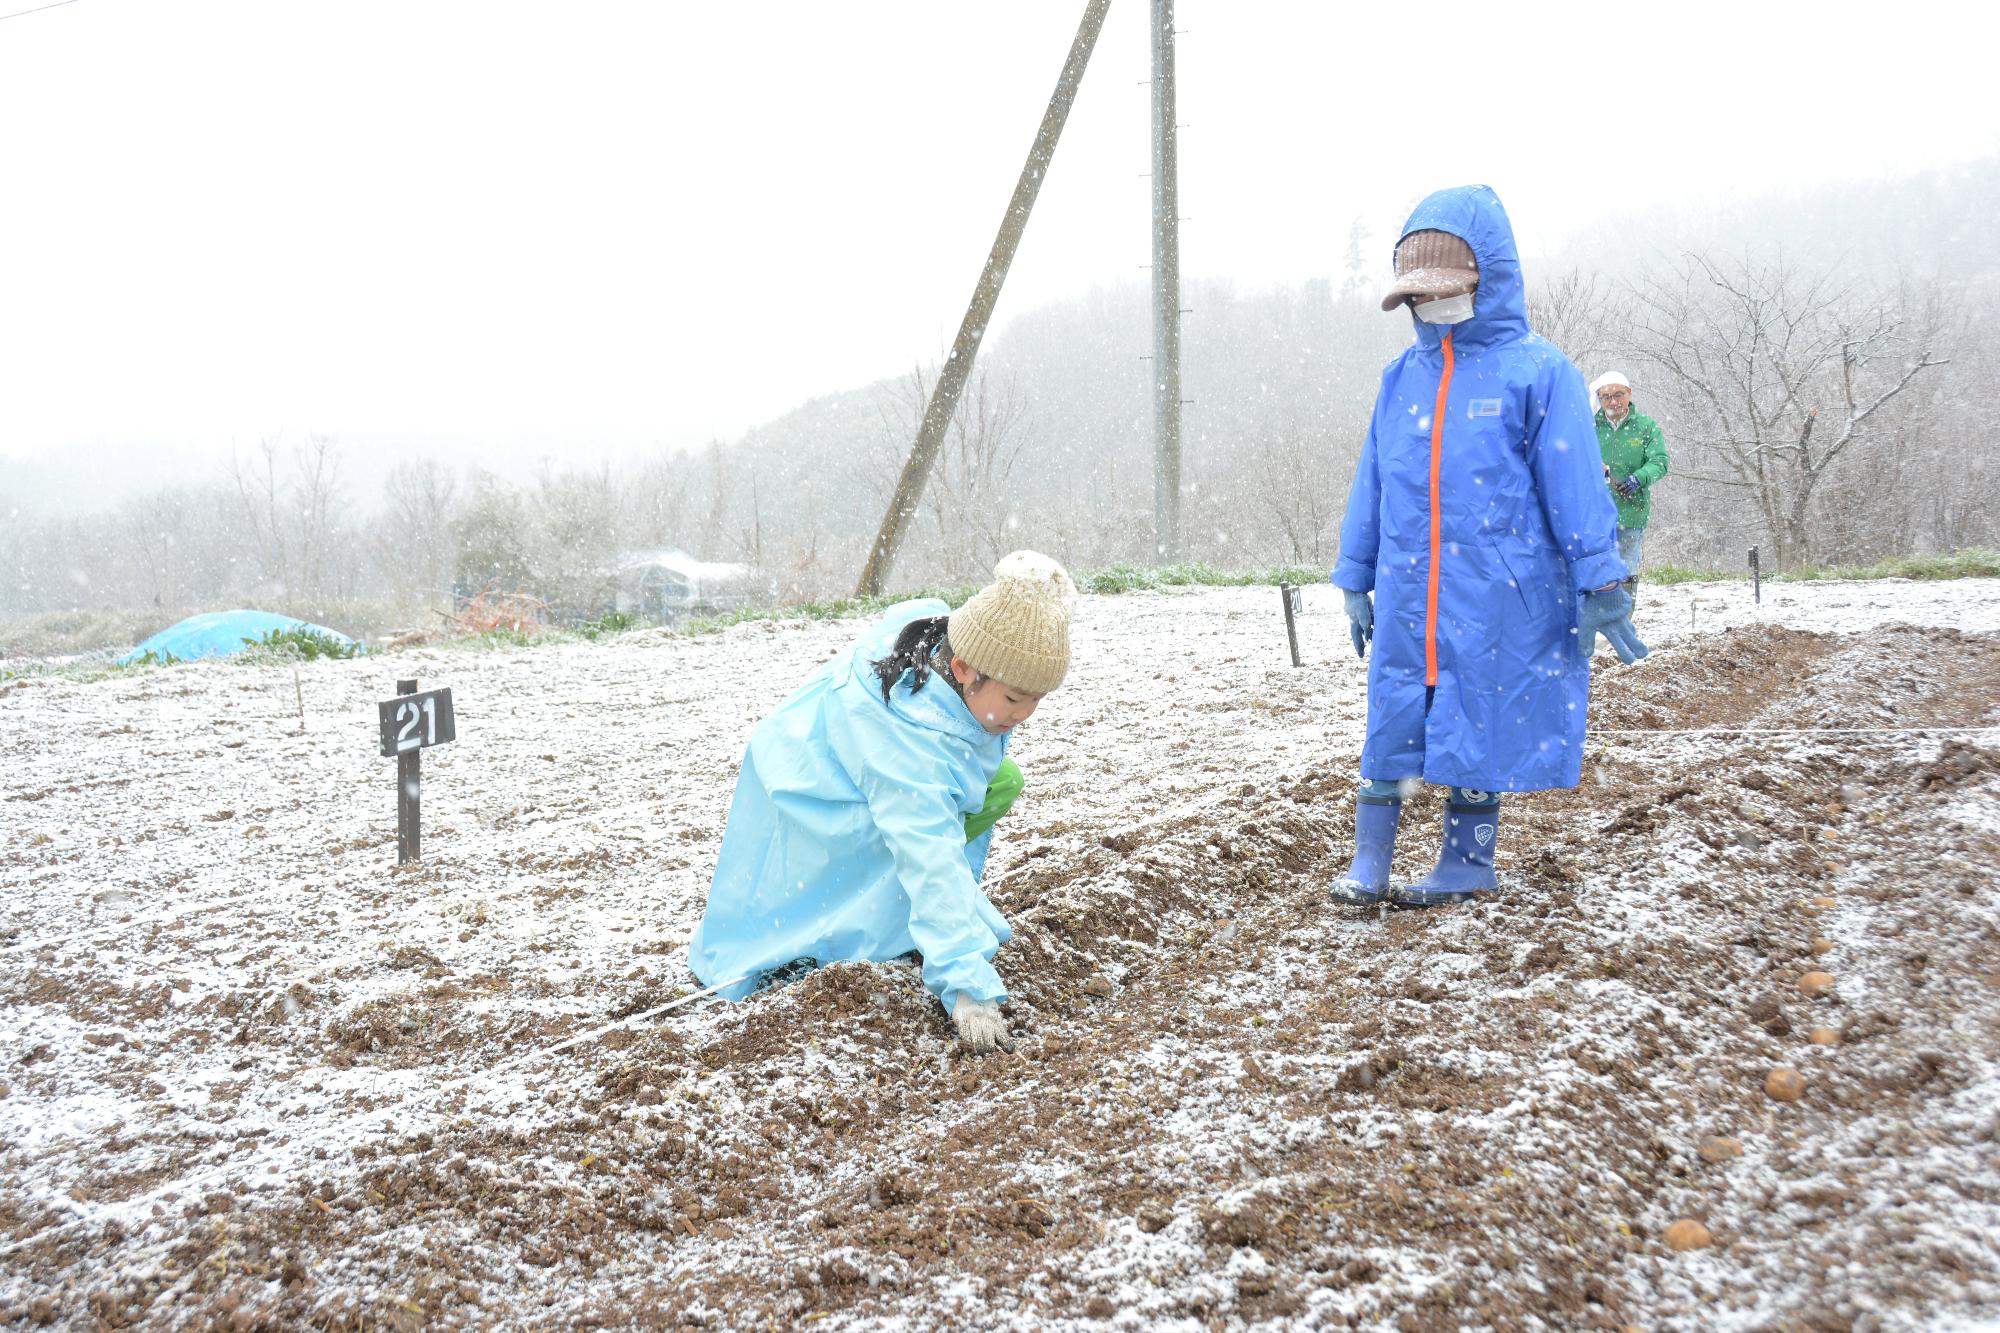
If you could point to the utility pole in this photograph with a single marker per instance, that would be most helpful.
(1166, 296)
(944, 398)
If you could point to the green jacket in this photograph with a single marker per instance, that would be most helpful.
(1633, 448)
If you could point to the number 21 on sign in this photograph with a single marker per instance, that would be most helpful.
(412, 713)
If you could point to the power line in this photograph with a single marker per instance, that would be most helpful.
(37, 9)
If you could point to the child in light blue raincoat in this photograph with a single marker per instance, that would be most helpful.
(864, 809)
(1480, 522)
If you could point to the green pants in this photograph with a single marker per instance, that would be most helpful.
(1000, 794)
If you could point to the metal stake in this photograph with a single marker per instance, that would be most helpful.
(409, 795)
(1289, 593)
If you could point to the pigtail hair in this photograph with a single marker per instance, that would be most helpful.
(916, 650)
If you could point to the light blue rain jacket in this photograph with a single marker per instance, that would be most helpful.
(1523, 525)
(846, 836)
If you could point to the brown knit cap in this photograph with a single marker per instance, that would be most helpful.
(1016, 628)
(1431, 263)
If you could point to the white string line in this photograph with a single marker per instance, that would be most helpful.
(58, 4)
(612, 1026)
(222, 1173)
(176, 918)
(1195, 808)
(1797, 731)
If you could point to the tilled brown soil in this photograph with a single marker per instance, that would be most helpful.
(1234, 1105)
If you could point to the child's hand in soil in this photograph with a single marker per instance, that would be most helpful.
(980, 1026)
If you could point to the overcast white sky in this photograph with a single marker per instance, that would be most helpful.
(592, 226)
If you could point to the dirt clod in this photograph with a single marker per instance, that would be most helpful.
(1816, 983)
(1768, 1014)
(1718, 1148)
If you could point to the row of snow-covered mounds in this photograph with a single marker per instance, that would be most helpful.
(254, 1075)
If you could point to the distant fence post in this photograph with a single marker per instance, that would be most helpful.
(1756, 578)
(1291, 596)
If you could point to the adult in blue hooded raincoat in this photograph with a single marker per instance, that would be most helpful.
(864, 808)
(1479, 521)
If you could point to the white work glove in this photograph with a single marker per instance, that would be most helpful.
(980, 1025)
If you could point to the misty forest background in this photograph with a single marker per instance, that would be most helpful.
(1823, 364)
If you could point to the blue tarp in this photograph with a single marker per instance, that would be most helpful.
(220, 633)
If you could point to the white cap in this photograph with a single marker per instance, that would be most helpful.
(1607, 379)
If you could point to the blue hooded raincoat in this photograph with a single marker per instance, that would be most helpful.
(1478, 517)
(846, 835)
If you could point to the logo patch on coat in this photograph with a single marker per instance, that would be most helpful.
(1484, 407)
(1483, 834)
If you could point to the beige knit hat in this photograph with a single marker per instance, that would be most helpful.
(1431, 263)
(1016, 628)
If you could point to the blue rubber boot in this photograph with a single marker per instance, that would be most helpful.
(1377, 811)
(1465, 862)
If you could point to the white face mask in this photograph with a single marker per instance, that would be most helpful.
(1451, 310)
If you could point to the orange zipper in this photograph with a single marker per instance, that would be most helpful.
(1437, 454)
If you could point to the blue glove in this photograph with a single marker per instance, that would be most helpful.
(1360, 619)
(1608, 611)
(1629, 487)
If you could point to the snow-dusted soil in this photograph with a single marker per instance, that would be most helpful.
(254, 1075)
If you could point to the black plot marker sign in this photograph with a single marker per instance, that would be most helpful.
(1295, 602)
(411, 723)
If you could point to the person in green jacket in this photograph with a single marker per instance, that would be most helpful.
(1635, 456)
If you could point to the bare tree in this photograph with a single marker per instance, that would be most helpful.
(1295, 485)
(578, 538)
(1777, 376)
(491, 539)
(158, 526)
(970, 498)
(1354, 261)
(1577, 315)
(413, 538)
(715, 516)
(657, 499)
(262, 500)
(297, 526)
(322, 565)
